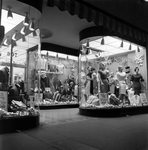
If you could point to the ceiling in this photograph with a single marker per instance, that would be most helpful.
(64, 28)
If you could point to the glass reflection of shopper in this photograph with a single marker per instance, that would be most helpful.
(137, 79)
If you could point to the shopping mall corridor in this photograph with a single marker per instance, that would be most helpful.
(65, 129)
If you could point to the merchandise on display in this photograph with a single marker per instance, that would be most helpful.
(57, 79)
(112, 79)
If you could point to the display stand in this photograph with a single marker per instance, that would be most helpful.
(57, 106)
(113, 112)
(12, 124)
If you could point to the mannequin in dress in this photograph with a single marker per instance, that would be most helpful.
(128, 76)
(102, 75)
(137, 79)
(121, 77)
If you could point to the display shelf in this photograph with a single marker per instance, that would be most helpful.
(57, 106)
(113, 112)
(14, 123)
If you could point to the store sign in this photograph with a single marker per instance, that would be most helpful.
(3, 100)
(103, 98)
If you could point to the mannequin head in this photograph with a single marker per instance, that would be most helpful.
(120, 68)
(136, 69)
(102, 66)
(127, 69)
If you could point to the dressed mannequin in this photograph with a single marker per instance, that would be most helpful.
(137, 79)
(112, 83)
(90, 79)
(128, 76)
(121, 77)
(102, 75)
(4, 77)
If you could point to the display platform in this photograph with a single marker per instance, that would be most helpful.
(12, 124)
(58, 106)
(113, 112)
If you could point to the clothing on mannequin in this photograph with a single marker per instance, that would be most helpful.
(137, 79)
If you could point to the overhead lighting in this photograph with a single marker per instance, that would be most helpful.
(32, 25)
(23, 30)
(26, 20)
(121, 45)
(130, 47)
(23, 38)
(13, 43)
(14, 37)
(9, 14)
(67, 57)
(138, 49)
(87, 44)
(57, 55)
(34, 33)
(102, 41)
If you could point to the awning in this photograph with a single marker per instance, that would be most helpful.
(100, 18)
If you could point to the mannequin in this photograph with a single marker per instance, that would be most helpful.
(90, 79)
(137, 79)
(121, 76)
(128, 76)
(4, 77)
(102, 75)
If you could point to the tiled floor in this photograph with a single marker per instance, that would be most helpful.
(65, 129)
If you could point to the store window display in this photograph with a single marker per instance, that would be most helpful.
(57, 80)
(111, 79)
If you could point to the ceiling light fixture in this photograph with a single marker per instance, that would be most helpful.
(23, 38)
(102, 41)
(34, 33)
(57, 55)
(87, 44)
(9, 14)
(130, 47)
(26, 20)
(138, 49)
(121, 44)
(32, 25)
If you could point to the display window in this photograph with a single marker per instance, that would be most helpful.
(112, 73)
(22, 32)
(53, 78)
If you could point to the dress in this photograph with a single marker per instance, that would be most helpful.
(104, 88)
(121, 76)
(137, 79)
